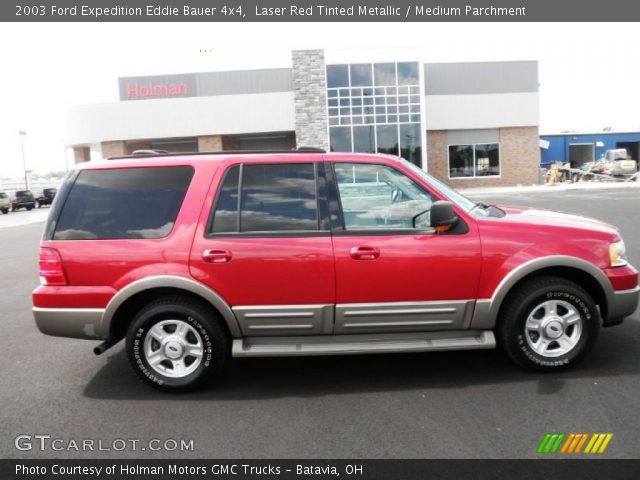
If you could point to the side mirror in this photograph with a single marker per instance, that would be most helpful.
(443, 217)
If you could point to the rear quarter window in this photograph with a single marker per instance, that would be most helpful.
(128, 203)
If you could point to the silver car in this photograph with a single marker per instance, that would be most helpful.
(5, 203)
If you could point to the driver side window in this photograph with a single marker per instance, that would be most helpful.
(379, 197)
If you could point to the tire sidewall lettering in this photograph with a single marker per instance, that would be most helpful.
(138, 353)
(583, 310)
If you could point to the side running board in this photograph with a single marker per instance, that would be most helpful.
(362, 344)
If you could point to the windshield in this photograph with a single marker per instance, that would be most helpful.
(457, 198)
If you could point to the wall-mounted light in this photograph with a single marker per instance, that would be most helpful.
(599, 144)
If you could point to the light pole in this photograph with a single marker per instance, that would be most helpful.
(22, 134)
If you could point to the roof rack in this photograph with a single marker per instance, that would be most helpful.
(142, 153)
(165, 153)
(303, 148)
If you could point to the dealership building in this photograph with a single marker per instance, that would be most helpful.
(468, 124)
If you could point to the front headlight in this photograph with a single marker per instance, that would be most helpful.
(617, 253)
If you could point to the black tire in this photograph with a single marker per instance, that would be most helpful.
(29, 208)
(5, 211)
(203, 320)
(522, 302)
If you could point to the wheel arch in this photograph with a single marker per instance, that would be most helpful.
(131, 298)
(584, 273)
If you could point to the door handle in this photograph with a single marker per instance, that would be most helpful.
(364, 253)
(216, 256)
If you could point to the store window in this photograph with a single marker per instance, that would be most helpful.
(375, 107)
(477, 160)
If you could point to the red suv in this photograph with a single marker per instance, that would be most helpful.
(193, 258)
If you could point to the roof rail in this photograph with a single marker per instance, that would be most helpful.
(164, 153)
(139, 153)
(303, 148)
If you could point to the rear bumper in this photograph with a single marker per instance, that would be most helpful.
(623, 304)
(83, 323)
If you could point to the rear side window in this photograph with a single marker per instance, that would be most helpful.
(123, 203)
(273, 198)
(3, 195)
(225, 217)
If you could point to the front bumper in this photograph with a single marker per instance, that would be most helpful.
(623, 304)
(83, 323)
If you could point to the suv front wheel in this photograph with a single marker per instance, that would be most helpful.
(548, 324)
(177, 344)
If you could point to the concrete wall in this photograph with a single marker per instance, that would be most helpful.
(481, 95)
(477, 78)
(181, 117)
(444, 112)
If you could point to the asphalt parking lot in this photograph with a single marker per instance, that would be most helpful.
(436, 405)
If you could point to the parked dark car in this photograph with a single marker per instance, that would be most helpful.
(23, 199)
(5, 203)
(45, 197)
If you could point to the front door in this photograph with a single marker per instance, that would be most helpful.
(394, 274)
(267, 247)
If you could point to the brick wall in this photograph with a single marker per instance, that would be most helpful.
(437, 154)
(81, 154)
(113, 149)
(519, 159)
(210, 143)
(119, 148)
(230, 143)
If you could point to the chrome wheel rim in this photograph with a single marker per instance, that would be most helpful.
(553, 328)
(173, 348)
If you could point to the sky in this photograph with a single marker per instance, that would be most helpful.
(589, 73)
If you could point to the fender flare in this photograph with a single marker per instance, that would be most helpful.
(486, 311)
(170, 281)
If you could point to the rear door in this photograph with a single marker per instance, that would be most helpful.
(265, 245)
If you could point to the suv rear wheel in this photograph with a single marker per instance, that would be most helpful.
(548, 324)
(177, 344)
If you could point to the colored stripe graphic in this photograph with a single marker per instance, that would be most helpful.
(550, 443)
(572, 443)
(598, 442)
(581, 443)
(575, 446)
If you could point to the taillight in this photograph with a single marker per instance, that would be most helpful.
(51, 269)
